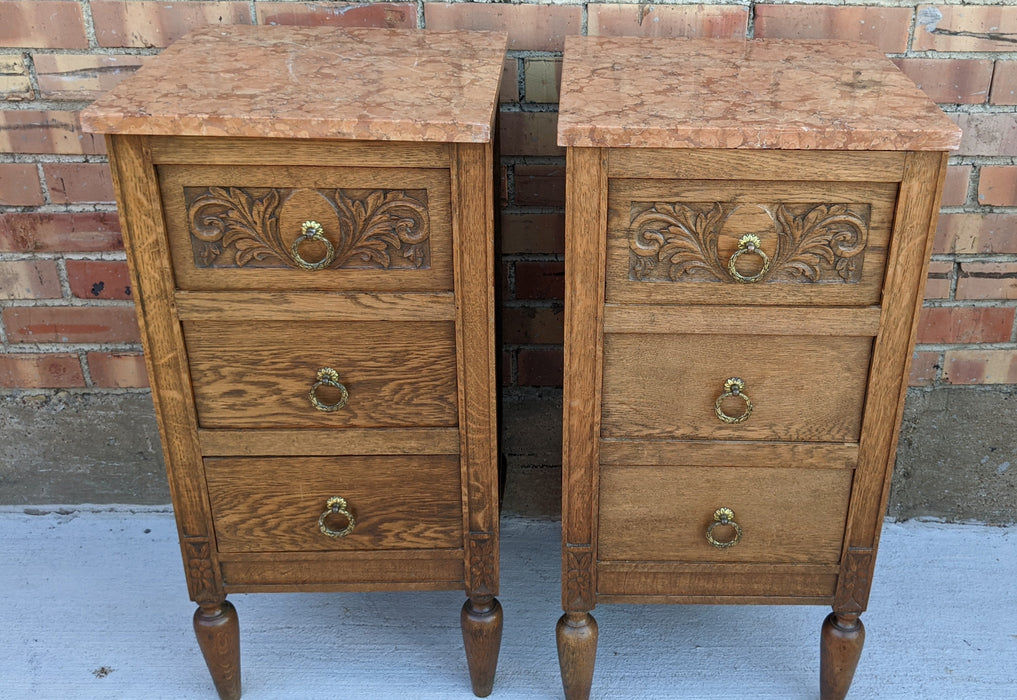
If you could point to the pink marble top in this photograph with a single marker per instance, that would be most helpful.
(312, 82)
(742, 93)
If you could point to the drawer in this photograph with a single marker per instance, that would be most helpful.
(277, 504)
(713, 242)
(261, 375)
(664, 513)
(801, 388)
(243, 227)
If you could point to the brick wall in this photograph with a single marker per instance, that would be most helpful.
(67, 316)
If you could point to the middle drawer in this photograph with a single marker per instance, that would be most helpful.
(270, 374)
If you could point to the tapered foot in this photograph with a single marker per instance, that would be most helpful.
(840, 648)
(218, 633)
(481, 620)
(577, 652)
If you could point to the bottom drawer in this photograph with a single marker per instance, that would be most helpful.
(665, 513)
(262, 504)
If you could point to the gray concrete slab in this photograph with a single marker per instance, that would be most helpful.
(94, 606)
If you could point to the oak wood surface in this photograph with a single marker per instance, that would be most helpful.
(722, 164)
(306, 205)
(741, 320)
(218, 632)
(482, 621)
(273, 504)
(397, 374)
(802, 388)
(314, 306)
(841, 641)
(663, 513)
(576, 635)
(329, 441)
(729, 453)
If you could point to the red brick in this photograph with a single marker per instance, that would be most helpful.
(950, 80)
(711, 21)
(34, 131)
(40, 371)
(540, 185)
(99, 279)
(85, 232)
(147, 24)
(111, 369)
(71, 324)
(987, 280)
(540, 280)
(532, 325)
(532, 233)
(81, 76)
(15, 85)
(968, 234)
(924, 367)
(980, 367)
(965, 28)
(529, 134)
(964, 324)
(20, 185)
(1004, 83)
(72, 183)
(987, 134)
(51, 24)
(886, 27)
(539, 366)
(955, 189)
(509, 90)
(937, 285)
(501, 182)
(29, 279)
(530, 27)
(997, 186)
(338, 14)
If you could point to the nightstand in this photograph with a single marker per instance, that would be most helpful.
(748, 229)
(308, 216)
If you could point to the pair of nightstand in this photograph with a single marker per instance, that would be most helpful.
(309, 215)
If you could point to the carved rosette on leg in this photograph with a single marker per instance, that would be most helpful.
(576, 633)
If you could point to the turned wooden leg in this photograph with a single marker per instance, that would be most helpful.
(218, 633)
(577, 652)
(481, 620)
(842, 639)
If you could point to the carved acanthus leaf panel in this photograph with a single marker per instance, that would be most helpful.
(810, 243)
(377, 229)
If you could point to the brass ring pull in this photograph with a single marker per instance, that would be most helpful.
(724, 516)
(328, 377)
(336, 506)
(748, 245)
(733, 387)
(313, 231)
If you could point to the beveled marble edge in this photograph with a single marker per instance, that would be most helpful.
(138, 106)
(711, 118)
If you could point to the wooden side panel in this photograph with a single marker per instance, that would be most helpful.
(473, 231)
(148, 256)
(273, 504)
(585, 244)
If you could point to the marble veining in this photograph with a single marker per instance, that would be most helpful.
(312, 82)
(742, 93)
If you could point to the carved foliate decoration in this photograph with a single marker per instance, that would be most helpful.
(482, 564)
(239, 227)
(803, 243)
(200, 576)
(853, 585)
(579, 578)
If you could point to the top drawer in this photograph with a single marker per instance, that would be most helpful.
(286, 227)
(747, 242)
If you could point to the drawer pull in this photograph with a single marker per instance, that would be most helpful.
(328, 377)
(336, 506)
(733, 387)
(748, 245)
(724, 516)
(313, 231)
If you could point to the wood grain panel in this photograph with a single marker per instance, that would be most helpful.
(712, 164)
(802, 388)
(314, 306)
(397, 374)
(662, 513)
(758, 212)
(191, 273)
(729, 454)
(349, 441)
(273, 504)
(775, 320)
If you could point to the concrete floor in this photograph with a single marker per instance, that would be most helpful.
(94, 606)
